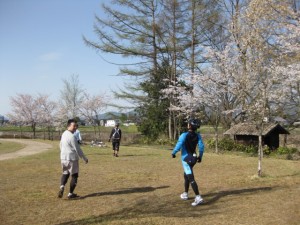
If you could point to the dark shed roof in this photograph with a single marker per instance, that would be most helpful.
(253, 129)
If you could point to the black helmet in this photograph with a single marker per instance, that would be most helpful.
(195, 123)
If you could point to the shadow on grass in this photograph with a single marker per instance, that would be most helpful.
(213, 197)
(122, 192)
(148, 207)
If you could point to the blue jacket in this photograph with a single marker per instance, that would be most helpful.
(181, 145)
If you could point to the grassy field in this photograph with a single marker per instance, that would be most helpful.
(126, 129)
(7, 147)
(143, 185)
(205, 129)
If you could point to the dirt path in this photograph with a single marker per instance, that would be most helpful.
(31, 147)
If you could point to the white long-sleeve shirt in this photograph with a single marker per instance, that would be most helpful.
(69, 147)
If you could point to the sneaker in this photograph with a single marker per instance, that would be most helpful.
(72, 195)
(61, 191)
(184, 196)
(198, 200)
(117, 155)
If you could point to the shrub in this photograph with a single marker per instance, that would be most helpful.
(210, 143)
(227, 144)
(266, 150)
(251, 149)
(286, 150)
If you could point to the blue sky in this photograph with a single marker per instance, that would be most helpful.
(41, 43)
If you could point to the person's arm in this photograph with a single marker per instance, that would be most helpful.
(111, 134)
(201, 147)
(179, 144)
(79, 136)
(120, 134)
(77, 148)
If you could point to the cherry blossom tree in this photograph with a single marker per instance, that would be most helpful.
(288, 68)
(46, 111)
(91, 107)
(25, 111)
(255, 70)
(71, 96)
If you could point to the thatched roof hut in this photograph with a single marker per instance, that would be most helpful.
(247, 133)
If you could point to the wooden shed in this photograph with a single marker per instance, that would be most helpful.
(247, 133)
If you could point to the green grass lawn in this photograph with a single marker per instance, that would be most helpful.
(143, 185)
(7, 147)
(126, 129)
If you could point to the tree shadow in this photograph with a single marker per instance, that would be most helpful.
(123, 191)
(150, 206)
(213, 197)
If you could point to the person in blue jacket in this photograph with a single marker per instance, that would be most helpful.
(187, 143)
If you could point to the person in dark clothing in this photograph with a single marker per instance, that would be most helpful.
(115, 138)
(187, 143)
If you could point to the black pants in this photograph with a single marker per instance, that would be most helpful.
(73, 184)
(116, 145)
(190, 179)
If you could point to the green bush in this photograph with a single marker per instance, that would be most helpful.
(286, 150)
(266, 150)
(227, 144)
(210, 143)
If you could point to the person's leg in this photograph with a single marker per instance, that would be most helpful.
(117, 148)
(185, 195)
(191, 178)
(73, 182)
(186, 183)
(187, 170)
(64, 177)
(193, 183)
(114, 147)
(74, 173)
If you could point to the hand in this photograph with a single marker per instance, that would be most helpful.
(173, 156)
(199, 159)
(86, 160)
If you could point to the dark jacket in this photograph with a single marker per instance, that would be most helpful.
(116, 134)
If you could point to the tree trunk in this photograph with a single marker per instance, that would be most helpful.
(49, 133)
(33, 129)
(99, 132)
(175, 127)
(193, 37)
(216, 139)
(95, 133)
(170, 125)
(260, 156)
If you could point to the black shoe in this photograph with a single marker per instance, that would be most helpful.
(61, 192)
(117, 155)
(73, 195)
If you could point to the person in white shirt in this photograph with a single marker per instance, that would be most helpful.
(78, 135)
(70, 152)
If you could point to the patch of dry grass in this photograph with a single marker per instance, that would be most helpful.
(143, 185)
(9, 146)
